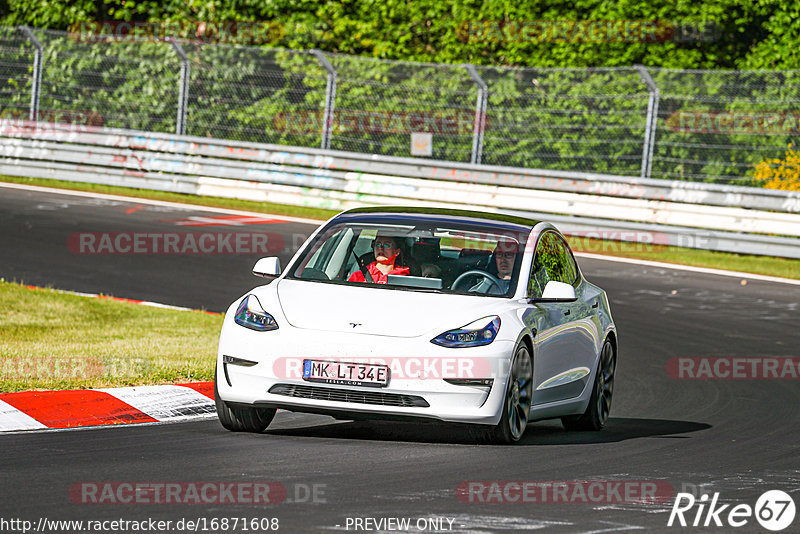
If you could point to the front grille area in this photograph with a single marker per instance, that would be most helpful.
(348, 395)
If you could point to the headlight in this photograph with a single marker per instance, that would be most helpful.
(251, 314)
(477, 333)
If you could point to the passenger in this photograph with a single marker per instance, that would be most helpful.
(387, 254)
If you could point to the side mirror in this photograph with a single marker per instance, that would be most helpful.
(558, 292)
(267, 267)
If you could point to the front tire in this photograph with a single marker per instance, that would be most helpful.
(242, 418)
(596, 414)
(518, 399)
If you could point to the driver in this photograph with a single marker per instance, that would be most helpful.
(504, 255)
(386, 252)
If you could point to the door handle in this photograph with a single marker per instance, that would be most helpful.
(566, 312)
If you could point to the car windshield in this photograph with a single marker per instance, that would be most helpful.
(441, 257)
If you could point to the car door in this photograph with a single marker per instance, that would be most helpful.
(587, 329)
(561, 344)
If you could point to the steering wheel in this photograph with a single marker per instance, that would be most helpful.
(488, 276)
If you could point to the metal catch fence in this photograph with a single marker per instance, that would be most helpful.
(706, 126)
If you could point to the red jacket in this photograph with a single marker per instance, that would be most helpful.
(378, 276)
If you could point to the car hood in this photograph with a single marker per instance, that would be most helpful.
(384, 312)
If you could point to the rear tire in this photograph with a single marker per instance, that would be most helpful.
(596, 414)
(517, 400)
(242, 418)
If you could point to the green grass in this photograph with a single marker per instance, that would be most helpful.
(767, 265)
(55, 340)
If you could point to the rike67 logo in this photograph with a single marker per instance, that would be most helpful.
(774, 510)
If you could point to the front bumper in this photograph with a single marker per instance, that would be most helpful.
(417, 378)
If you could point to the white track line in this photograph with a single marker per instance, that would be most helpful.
(703, 270)
(150, 202)
(119, 299)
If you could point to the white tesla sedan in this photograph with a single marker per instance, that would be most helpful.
(422, 313)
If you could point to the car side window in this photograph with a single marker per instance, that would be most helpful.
(569, 270)
(362, 246)
(327, 259)
(539, 275)
(552, 261)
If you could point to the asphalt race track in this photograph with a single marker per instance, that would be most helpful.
(737, 437)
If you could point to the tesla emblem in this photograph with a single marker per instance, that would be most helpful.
(354, 324)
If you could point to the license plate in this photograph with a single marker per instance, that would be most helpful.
(344, 373)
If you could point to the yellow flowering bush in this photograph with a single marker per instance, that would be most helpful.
(780, 173)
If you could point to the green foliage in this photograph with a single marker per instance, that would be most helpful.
(566, 119)
(721, 123)
(779, 47)
(727, 33)
(240, 93)
(582, 120)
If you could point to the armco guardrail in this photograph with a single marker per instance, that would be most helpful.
(708, 216)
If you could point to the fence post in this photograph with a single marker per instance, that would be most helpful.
(481, 106)
(183, 87)
(330, 98)
(37, 71)
(652, 118)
